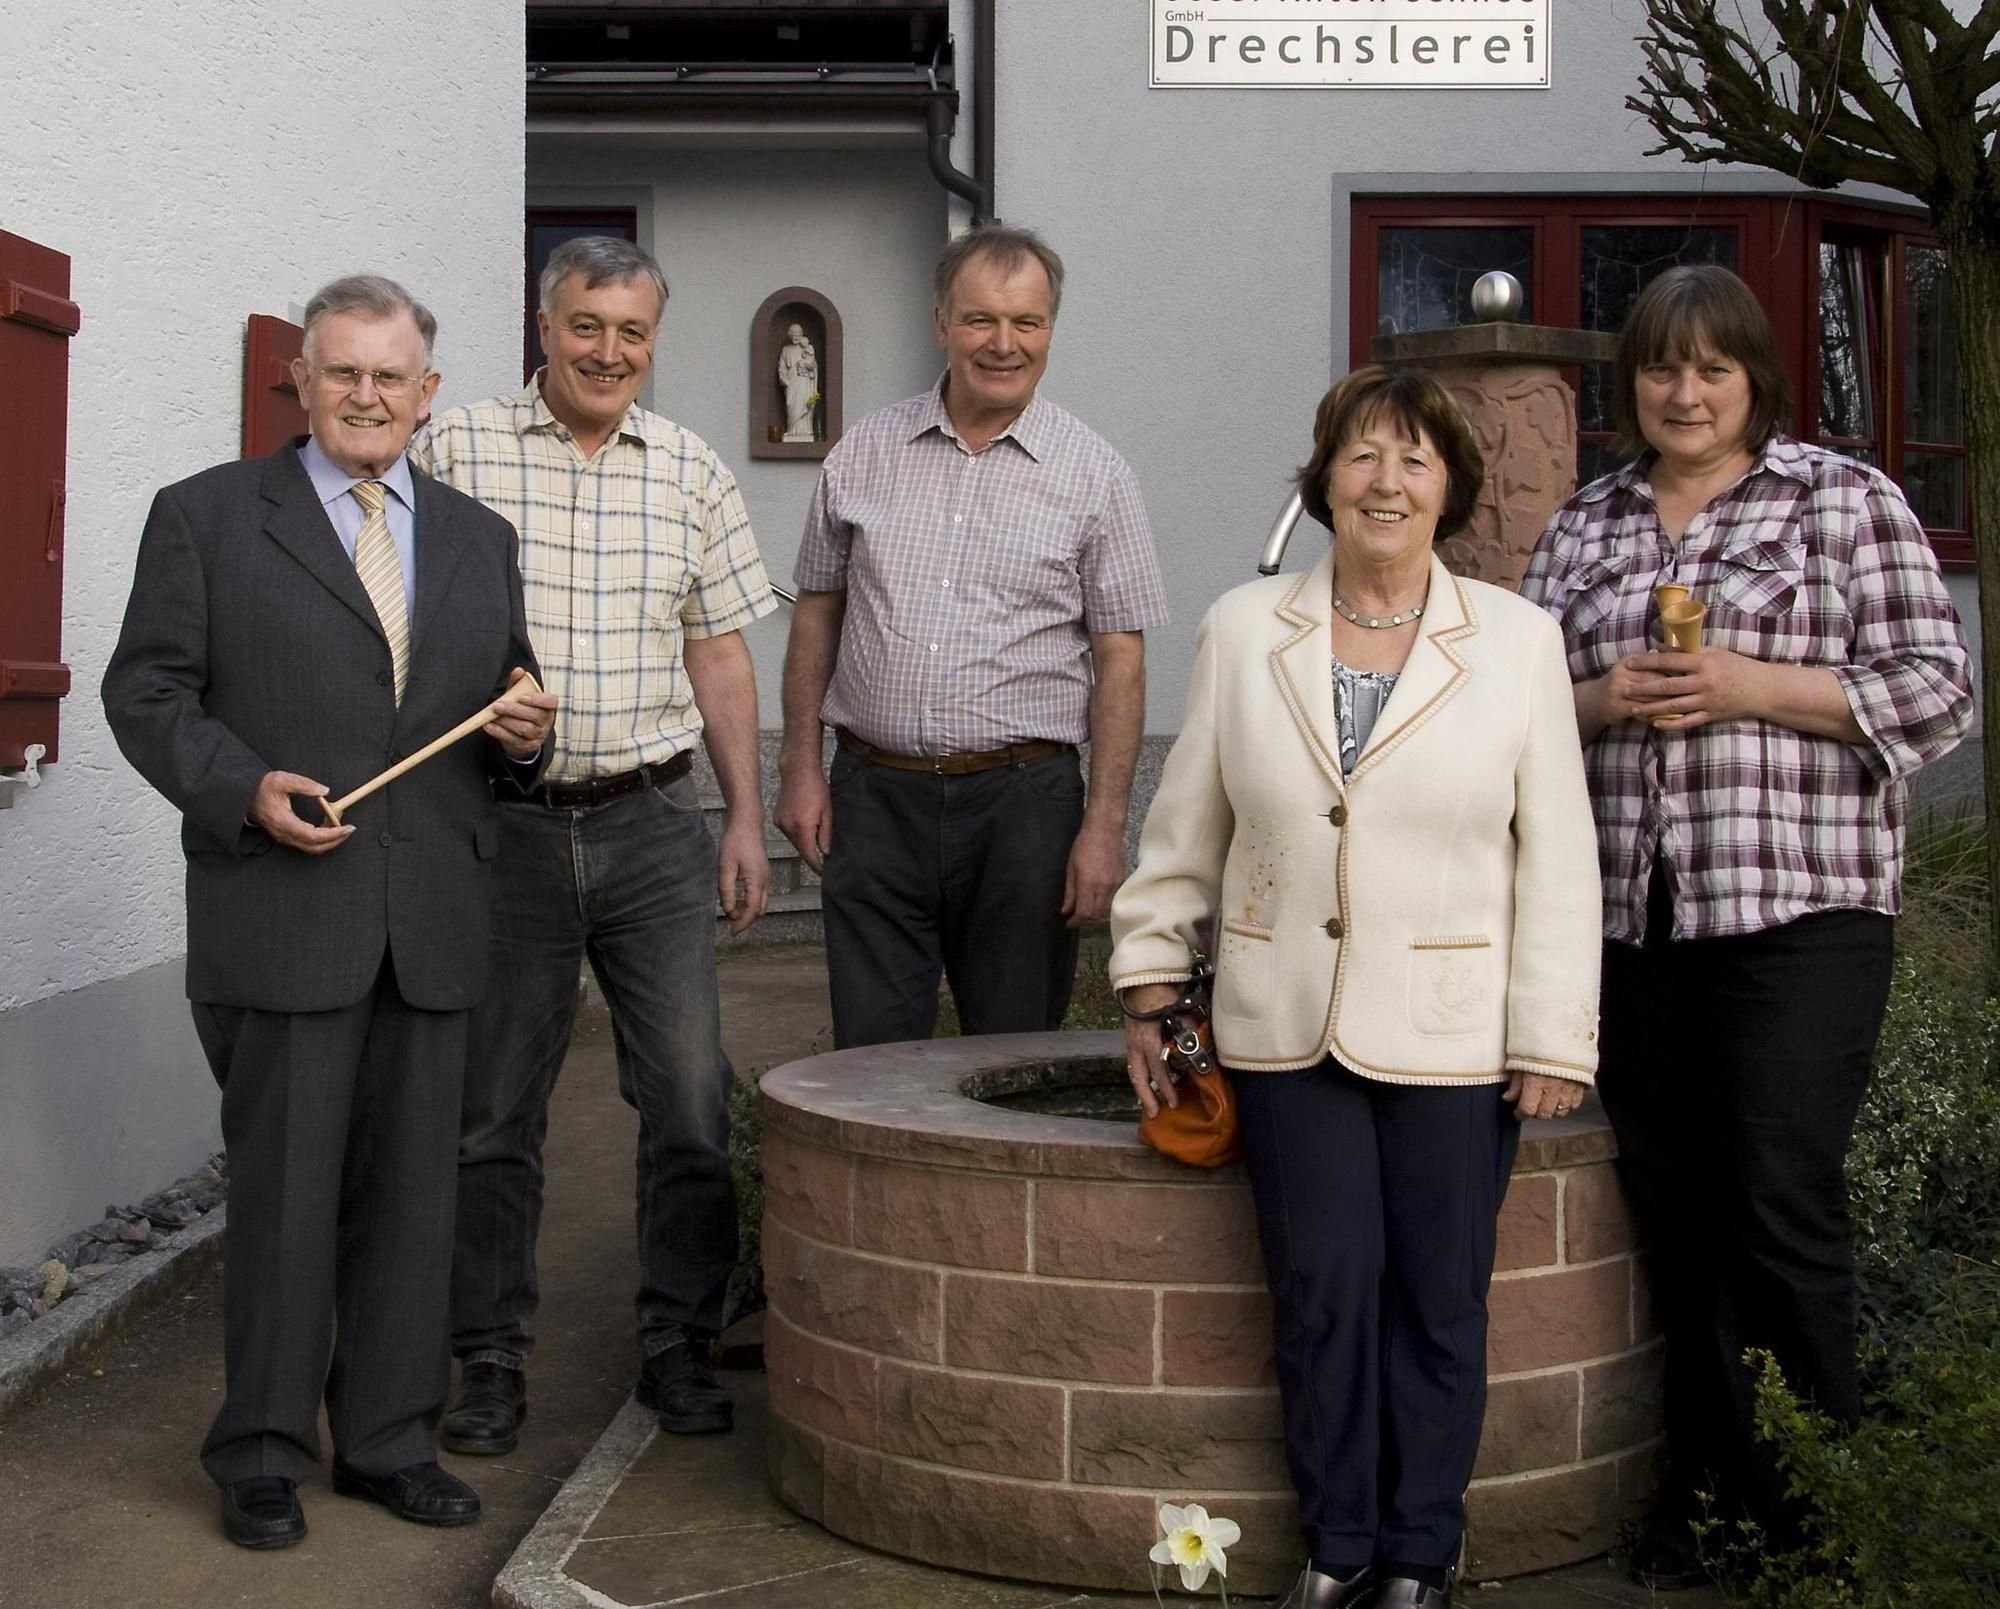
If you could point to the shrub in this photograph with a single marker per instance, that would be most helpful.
(746, 1141)
(1922, 1181)
(1905, 1509)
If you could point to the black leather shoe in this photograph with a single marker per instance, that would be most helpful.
(1666, 1561)
(422, 1493)
(263, 1512)
(1318, 1590)
(1400, 1592)
(486, 1416)
(678, 1385)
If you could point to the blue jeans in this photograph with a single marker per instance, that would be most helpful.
(959, 876)
(630, 885)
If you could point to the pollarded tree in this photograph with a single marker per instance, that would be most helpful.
(1898, 93)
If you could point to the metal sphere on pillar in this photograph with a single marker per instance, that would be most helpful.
(1497, 297)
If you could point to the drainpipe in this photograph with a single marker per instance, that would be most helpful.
(983, 49)
(977, 186)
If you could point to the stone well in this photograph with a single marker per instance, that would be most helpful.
(998, 1340)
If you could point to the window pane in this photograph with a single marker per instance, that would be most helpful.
(1846, 343)
(1426, 275)
(1618, 263)
(1597, 458)
(1935, 485)
(1937, 404)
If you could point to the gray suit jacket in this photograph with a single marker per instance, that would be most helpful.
(250, 646)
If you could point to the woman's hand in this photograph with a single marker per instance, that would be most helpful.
(1608, 699)
(1687, 690)
(1538, 1095)
(1144, 1065)
(1680, 691)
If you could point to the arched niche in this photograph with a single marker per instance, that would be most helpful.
(819, 321)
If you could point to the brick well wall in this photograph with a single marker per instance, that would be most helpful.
(998, 1341)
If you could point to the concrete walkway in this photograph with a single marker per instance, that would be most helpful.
(102, 1502)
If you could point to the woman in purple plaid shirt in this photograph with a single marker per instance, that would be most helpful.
(1750, 800)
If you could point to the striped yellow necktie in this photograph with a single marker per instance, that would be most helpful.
(381, 575)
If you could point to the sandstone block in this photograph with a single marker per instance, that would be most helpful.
(1517, 1526)
(878, 1306)
(1566, 1315)
(1047, 1327)
(808, 1189)
(1217, 1338)
(936, 1215)
(792, 1464)
(827, 1388)
(1528, 1223)
(1178, 1440)
(972, 1421)
(1597, 1220)
(1622, 1402)
(1531, 1423)
(1203, 1233)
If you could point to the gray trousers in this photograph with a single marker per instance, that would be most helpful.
(341, 1129)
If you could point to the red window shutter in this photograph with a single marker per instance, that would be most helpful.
(37, 318)
(272, 414)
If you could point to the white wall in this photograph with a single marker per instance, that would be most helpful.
(862, 227)
(199, 162)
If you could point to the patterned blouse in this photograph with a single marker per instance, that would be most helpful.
(1811, 559)
(1358, 697)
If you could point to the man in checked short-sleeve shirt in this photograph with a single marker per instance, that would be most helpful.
(975, 581)
(640, 572)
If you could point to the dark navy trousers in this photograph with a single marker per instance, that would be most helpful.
(1377, 1209)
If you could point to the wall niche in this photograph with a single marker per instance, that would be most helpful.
(795, 375)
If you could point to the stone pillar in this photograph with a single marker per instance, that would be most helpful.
(1508, 379)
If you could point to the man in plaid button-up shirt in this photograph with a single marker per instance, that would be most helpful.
(975, 582)
(640, 572)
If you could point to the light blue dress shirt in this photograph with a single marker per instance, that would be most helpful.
(335, 488)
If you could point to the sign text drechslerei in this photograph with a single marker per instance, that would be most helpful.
(1350, 44)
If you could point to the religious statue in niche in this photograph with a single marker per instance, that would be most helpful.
(798, 379)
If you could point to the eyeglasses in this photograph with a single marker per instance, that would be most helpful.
(346, 377)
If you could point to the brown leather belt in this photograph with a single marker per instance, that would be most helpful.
(599, 790)
(952, 765)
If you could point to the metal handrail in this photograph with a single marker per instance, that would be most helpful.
(1273, 554)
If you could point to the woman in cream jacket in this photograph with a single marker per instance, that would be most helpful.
(1378, 800)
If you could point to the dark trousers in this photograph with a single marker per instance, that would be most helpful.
(340, 1128)
(1377, 1210)
(959, 877)
(1732, 1071)
(629, 885)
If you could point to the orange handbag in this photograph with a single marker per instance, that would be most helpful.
(1201, 1131)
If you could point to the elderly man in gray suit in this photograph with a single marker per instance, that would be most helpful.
(297, 622)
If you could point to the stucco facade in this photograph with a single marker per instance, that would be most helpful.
(199, 163)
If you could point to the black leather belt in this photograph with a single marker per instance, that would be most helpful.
(600, 790)
(952, 765)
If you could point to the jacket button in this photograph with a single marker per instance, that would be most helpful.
(1338, 815)
(382, 678)
(1333, 928)
(385, 840)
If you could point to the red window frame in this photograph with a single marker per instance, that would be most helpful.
(1777, 256)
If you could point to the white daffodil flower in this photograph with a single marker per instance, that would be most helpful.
(1195, 1542)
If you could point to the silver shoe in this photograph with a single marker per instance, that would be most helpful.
(1400, 1592)
(1318, 1590)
